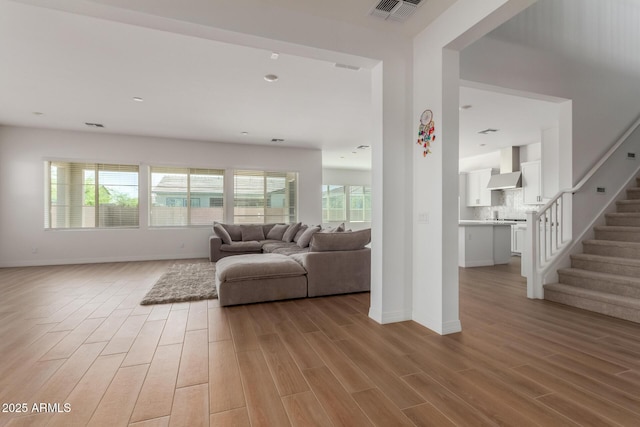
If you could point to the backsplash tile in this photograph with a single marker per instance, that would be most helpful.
(510, 205)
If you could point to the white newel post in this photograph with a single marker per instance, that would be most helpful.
(532, 257)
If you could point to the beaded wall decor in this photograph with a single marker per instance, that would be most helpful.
(426, 132)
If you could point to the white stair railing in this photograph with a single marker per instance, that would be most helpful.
(548, 236)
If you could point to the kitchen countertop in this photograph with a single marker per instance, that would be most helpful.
(487, 222)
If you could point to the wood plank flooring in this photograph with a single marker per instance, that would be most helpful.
(76, 335)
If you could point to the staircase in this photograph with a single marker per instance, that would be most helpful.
(606, 277)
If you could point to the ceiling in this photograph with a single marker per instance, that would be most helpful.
(518, 119)
(202, 89)
(75, 69)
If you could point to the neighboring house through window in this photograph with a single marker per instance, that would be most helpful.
(186, 196)
(264, 197)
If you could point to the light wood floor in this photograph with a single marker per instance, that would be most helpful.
(76, 335)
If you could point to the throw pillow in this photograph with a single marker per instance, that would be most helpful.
(222, 233)
(291, 232)
(304, 240)
(345, 241)
(234, 230)
(252, 232)
(277, 231)
(301, 230)
(338, 229)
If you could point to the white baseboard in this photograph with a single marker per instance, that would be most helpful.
(442, 328)
(481, 263)
(451, 327)
(390, 316)
(100, 260)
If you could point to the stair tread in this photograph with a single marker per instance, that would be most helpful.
(629, 202)
(617, 243)
(608, 259)
(627, 228)
(616, 278)
(623, 214)
(620, 300)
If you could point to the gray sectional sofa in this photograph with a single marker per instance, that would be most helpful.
(325, 262)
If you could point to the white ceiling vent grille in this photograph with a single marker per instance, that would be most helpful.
(395, 10)
(347, 67)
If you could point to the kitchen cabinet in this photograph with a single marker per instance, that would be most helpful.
(531, 183)
(517, 237)
(477, 192)
(481, 244)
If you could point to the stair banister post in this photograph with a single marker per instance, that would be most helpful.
(532, 257)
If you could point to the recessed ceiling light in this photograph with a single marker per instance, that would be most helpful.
(94, 125)
(37, 113)
(244, 133)
(277, 140)
(275, 55)
(363, 147)
(138, 99)
(271, 78)
(465, 107)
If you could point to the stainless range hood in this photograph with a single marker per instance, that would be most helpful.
(510, 175)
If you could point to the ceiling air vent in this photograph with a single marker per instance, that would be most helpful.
(395, 10)
(347, 67)
(488, 131)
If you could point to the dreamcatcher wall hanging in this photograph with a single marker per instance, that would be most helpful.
(426, 132)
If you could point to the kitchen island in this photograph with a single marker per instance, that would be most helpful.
(482, 243)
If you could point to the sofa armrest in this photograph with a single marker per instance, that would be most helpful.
(214, 248)
(337, 272)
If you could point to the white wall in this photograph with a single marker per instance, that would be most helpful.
(436, 86)
(346, 176)
(22, 155)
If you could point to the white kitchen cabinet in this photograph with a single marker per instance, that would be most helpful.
(481, 244)
(517, 238)
(477, 192)
(531, 183)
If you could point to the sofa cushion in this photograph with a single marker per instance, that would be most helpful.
(252, 232)
(222, 233)
(258, 266)
(338, 229)
(305, 239)
(270, 247)
(291, 232)
(277, 231)
(300, 231)
(345, 241)
(234, 231)
(252, 246)
(266, 228)
(290, 250)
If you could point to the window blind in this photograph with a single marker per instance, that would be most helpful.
(264, 197)
(351, 203)
(186, 196)
(334, 203)
(91, 195)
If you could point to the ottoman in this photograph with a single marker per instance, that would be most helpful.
(243, 279)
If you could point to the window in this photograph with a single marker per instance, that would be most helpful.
(183, 196)
(350, 203)
(264, 197)
(91, 195)
(359, 203)
(334, 203)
